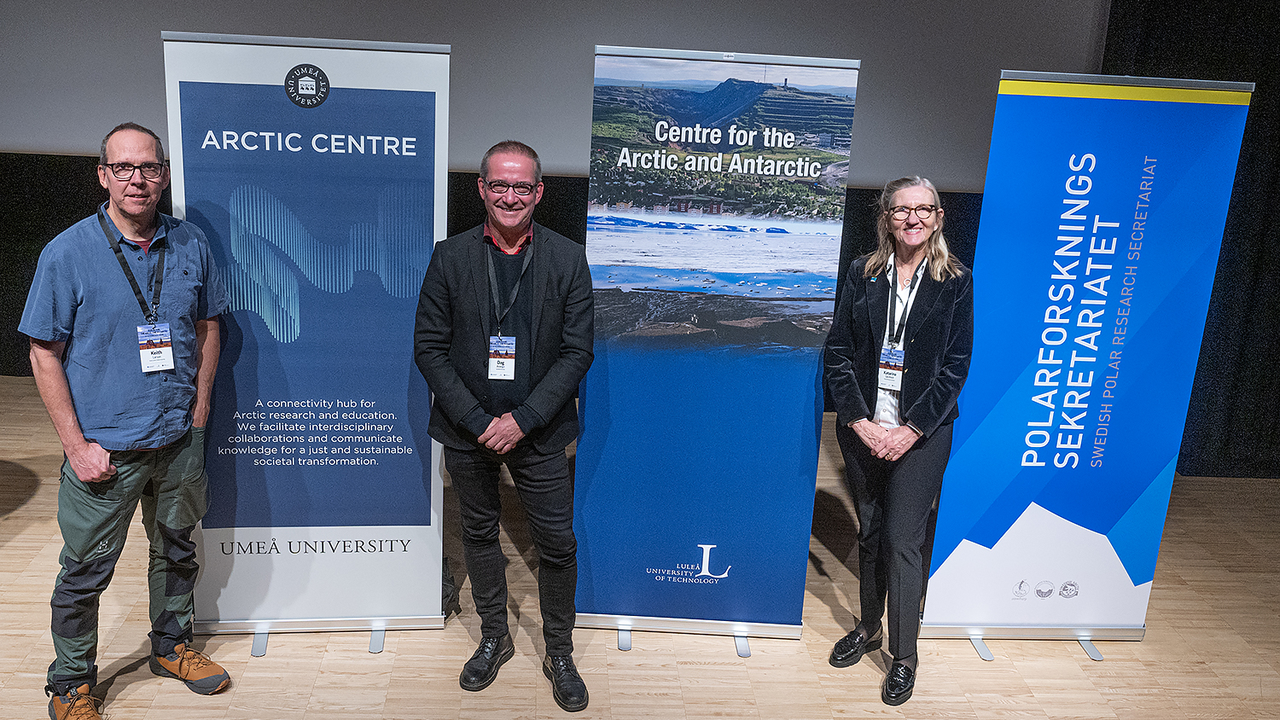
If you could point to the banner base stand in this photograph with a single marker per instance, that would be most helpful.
(377, 639)
(1091, 650)
(262, 627)
(624, 639)
(981, 648)
(1079, 634)
(259, 644)
(744, 648)
(687, 625)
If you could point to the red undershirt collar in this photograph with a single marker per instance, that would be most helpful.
(490, 235)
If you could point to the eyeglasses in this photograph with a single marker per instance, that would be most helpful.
(902, 212)
(124, 171)
(498, 187)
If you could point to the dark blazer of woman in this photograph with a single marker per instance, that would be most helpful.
(937, 344)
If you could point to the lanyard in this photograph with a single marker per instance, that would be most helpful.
(896, 338)
(151, 314)
(493, 284)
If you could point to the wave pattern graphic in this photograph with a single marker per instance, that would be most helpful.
(271, 247)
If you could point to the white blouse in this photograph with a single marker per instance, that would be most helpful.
(886, 413)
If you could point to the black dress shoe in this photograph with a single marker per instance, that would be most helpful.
(566, 685)
(850, 648)
(483, 666)
(898, 685)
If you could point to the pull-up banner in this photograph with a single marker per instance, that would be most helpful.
(1102, 217)
(717, 200)
(317, 169)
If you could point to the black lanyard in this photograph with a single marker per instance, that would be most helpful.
(150, 314)
(493, 284)
(896, 339)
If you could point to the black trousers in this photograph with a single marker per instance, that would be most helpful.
(546, 491)
(893, 501)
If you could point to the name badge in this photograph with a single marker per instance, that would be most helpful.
(891, 368)
(502, 357)
(155, 347)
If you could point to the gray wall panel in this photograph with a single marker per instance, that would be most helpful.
(523, 69)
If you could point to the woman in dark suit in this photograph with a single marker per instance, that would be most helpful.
(894, 370)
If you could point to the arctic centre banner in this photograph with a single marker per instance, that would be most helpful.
(716, 195)
(1102, 218)
(317, 169)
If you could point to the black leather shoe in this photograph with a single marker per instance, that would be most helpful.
(482, 668)
(850, 648)
(566, 685)
(898, 685)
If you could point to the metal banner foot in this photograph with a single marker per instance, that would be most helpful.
(624, 639)
(744, 649)
(377, 638)
(981, 647)
(1091, 650)
(259, 644)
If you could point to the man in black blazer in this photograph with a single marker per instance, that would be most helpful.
(503, 337)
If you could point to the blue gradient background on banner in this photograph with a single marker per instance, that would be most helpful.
(1195, 148)
(693, 446)
(323, 255)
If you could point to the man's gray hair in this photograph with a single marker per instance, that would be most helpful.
(102, 153)
(515, 147)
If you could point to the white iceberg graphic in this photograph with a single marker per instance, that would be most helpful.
(1046, 572)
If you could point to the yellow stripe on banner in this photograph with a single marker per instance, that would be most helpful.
(1123, 92)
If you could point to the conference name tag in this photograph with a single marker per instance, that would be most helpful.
(155, 347)
(891, 368)
(502, 357)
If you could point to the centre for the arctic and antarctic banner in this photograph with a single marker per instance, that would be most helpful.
(317, 170)
(716, 207)
(1102, 217)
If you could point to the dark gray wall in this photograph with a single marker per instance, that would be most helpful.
(523, 69)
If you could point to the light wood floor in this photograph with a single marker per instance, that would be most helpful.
(1212, 648)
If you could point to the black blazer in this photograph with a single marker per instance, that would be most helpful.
(451, 335)
(937, 343)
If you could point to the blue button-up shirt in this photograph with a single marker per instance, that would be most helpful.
(80, 296)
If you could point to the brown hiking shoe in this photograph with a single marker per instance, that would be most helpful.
(77, 704)
(201, 674)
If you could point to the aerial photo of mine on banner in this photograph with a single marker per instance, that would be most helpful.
(316, 169)
(1102, 218)
(717, 197)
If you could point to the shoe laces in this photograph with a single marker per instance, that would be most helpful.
(191, 660)
(489, 646)
(82, 707)
(563, 664)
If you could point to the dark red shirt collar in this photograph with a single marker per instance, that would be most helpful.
(490, 237)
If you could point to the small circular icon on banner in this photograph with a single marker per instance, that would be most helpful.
(1069, 589)
(1021, 589)
(306, 85)
(1044, 589)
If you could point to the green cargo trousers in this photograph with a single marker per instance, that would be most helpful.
(171, 484)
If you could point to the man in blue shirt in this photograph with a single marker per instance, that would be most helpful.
(122, 318)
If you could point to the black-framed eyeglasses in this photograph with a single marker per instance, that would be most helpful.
(902, 212)
(498, 187)
(124, 171)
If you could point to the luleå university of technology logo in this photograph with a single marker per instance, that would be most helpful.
(697, 573)
(306, 85)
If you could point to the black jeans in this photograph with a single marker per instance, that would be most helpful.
(893, 500)
(546, 492)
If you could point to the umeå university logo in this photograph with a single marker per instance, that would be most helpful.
(306, 85)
